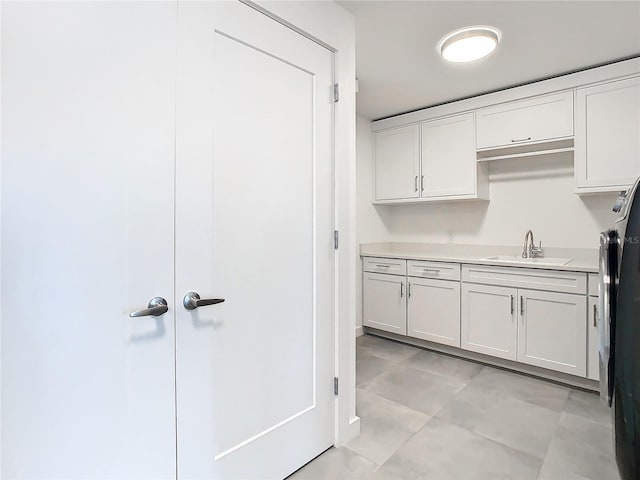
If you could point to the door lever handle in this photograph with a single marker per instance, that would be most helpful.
(157, 306)
(192, 300)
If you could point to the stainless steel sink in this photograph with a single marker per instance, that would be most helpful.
(529, 261)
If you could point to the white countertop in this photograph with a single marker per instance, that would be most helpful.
(583, 259)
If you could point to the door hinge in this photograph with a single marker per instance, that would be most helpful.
(335, 386)
(336, 239)
(336, 93)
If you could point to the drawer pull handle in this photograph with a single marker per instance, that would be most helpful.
(595, 316)
(521, 140)
(382, 266)
(431, 270)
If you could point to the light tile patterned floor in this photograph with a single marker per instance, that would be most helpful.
(430, 416)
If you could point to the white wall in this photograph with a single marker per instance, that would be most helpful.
(372, 222)
(531, 193)
(528, 193)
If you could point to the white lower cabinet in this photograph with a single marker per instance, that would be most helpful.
(593, 367)
(384, 306)
(433, 311)
(552, 332)
(488, 320)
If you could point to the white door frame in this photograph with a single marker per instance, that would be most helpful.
(333, 27)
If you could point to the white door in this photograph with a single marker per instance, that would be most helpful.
(449, 164)
(397, 163)
(255, 220)
(593, 340)
(433, 310)
(87, 238)
(552, 332)
(489, 320)
(384, 302)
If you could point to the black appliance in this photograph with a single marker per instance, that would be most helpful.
(620, 330)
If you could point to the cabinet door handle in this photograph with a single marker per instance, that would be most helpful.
(518, 140)
(512, 307)
(415, 183)
(401, 289)
(422, 183)
(522, 307)
(409, 290)
(595, 316)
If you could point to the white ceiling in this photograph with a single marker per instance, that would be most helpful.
(399, 68)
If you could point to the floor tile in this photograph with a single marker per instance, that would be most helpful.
(387, 349)
(384, 426)
(369, 366)
(446, 365)
(334, 464)
(507, 420)
(588, 405)
(580, 447)
(418, 390)
(528, 389)
(442, 450)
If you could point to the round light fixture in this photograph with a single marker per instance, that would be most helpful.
(469, 43)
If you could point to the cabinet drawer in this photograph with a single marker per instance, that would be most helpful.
(391, 266)
(594, 284)
(440, 270)
(530, 120)
(551, 280)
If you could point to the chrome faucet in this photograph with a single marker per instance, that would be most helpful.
(530, 250)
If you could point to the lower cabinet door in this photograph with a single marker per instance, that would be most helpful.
(433, 310)
(384, 302)
(489, 321)
(593, 340)
(552, 332)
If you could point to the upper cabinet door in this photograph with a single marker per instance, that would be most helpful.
(397, 163)
(537, 119)
(607, 144)
(449, 156)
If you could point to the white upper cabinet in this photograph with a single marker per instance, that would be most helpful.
(435, 160)
(448, 152)
(397, 163)
(607, 143)
(538, 119)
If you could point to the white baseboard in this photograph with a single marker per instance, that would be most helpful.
(359, 331)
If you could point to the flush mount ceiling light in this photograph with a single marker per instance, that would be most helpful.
(469, 43)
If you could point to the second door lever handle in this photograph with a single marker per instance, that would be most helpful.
(192, 300)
